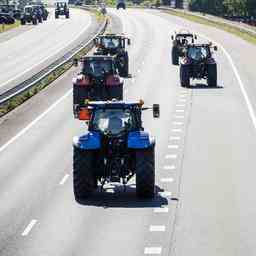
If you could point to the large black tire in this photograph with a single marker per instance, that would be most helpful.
(145, 173)
(67, 15)
(22, 22)
(34, 21)
(175, 56)
(212, 75)
(40, 20)
(56, 16)
(84, 180)
(184, 76)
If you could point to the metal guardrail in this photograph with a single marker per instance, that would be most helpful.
(67, 58)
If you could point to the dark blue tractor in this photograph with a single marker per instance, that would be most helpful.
(114, 149)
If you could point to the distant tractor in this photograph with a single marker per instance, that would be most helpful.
(121, 4)
(98, 80)
(114, 149)
(30, 15)
(180, 41)
(62, 9)
(114, 45)
(198, 63)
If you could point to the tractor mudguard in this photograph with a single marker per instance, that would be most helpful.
(211, 61)
(140, 140)
(90, 140)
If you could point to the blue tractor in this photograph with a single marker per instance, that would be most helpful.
(114, 149)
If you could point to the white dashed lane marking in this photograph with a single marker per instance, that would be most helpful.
(167, 180)
(177, 123)
(161, 210)
(169, 167)
(179, 117)
(29, 227)
(174, 138)
(64, 179)
(153, 250)
(173, 146)
(179, 110)
(171, 156)
(176, 130)
(157, 228)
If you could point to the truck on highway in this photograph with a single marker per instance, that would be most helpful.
(61, 9)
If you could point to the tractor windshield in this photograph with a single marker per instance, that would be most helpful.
(98, 67)
(113, 121)
(28, 10)
(198, 53)
(110, 43)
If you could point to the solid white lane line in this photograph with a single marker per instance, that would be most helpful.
(173, 146)
(157, 228)
(24, 130)
(152, 250)
(173, 156)
(169, 167)
(174, 138)
(176, 130)
(165, 193)
(64, 179)
(240, 82)
(29, 227)
(167, 180)
(161, 210)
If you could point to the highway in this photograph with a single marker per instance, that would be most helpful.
(30, 48)
(205, 202)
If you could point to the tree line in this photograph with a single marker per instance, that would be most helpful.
(225, 7)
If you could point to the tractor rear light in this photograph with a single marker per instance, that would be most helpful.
(84, 114)
(82, 80)
(112, 80)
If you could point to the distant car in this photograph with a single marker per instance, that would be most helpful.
(179, 42)
(61, 9)
(198, 63)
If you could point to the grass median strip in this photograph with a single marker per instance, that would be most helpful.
(246, 35)
(4, 27)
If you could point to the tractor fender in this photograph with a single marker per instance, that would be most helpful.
(90, 140)
(211, 61)
(140, 140)
(185, 61)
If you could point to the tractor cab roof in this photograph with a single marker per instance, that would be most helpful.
(113, 104)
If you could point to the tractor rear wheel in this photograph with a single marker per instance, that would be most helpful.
(175, 56)
(145, 173)
(84, 180)
(212, 75)
(184, 76)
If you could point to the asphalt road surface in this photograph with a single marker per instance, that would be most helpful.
(28, 49)
(205, 160)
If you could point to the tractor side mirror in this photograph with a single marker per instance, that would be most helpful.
(95, 41)
(129, 41)
(215, 48)
(156, 110)
(75, 62)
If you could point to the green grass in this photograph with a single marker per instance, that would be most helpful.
(246, 35)
(4, 28)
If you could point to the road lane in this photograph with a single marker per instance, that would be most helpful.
(209, 132)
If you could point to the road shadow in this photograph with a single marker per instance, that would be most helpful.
(204, 86)
(118, 198)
